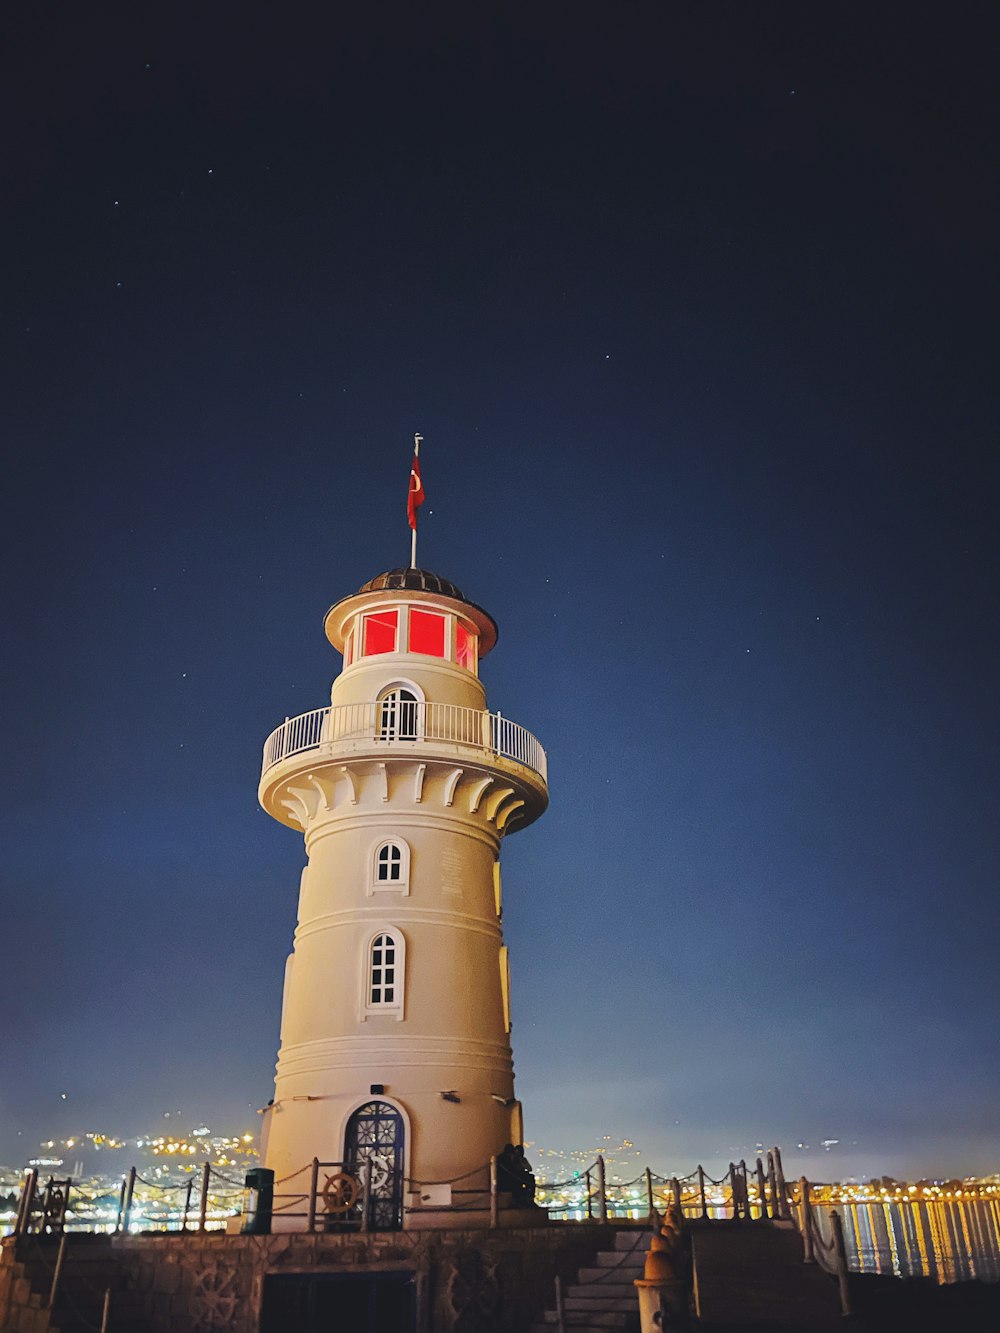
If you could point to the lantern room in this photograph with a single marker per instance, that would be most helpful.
(414, 613)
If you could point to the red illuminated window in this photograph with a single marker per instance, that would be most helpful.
(465, 648)
(380, 633)
(427, 633)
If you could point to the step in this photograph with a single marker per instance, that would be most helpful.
(620, 1286)
(638, 1238)
(624, 1303)
(622, 1263)
(599, 1320)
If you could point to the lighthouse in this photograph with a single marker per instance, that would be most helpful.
(395, 1061)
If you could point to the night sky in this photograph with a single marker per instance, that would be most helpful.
(695, 307)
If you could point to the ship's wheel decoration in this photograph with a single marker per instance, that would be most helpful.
(340, 1192)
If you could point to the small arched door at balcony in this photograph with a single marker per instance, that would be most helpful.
(375, 1133)
(396, 716)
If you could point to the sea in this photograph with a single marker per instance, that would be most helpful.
(950, 1240)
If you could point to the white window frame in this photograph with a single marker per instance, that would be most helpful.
(381, 1009)
(402, 632)
(401, 885)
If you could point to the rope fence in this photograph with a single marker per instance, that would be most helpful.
(365, 1195)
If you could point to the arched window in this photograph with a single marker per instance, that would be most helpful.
(384, 973)
(397, 715)
(390, 867)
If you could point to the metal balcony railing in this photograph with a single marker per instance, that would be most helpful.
(398, 725)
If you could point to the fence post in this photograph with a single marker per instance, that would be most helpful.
(649, 1192)
(806, 1222)
(106, 1310)
(560, 1307)
(313, 1187)
(187, 1204)
(57, 1271)
(841, 1253)
(206, 1172)
(782, 1185)
(26, 1202)
(772, 1181)
(734, 1191)
(129, 1191)
(366, 1186)
(701, 1191)
(590, 1202)
(602, 1190)
(675, 1187)
(494, 1195)
(121, 1203)
(762, 1191)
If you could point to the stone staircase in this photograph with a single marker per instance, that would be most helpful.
(604, 1296)
(88, 1268)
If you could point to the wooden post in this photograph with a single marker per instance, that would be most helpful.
(366, 1205)
(806, 1222)
(313, 1188)
(121, 1203)
(57, 1271)
(675, 1187)
(560, 1307)
(649, 1192)
(701, 1191)
(187, 1204)
(106, 1311)
(602, 1190)
(26, 1202)
(772, 1181)
(206, 1172)
(494, 1195)
(782, 1185)
(129, 1191)
(590, 1202)
(762, 1190)
(840, 1250)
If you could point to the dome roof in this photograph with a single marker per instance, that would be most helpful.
(413, 580)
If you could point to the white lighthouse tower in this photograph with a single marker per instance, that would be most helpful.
(395, 1028)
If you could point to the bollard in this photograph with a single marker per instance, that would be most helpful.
(602, 1191)
(129, 1191)
(494, 1195)
(846, 1309)
(313, 1189)
(806, 1222)
(701, 1191)
(206, 1172)
(57, 1272)
(649, 1191)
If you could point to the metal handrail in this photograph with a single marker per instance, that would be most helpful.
(398, 725)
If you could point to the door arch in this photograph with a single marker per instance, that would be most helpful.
(397, 714)
(376, 1132)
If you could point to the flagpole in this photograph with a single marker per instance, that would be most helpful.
(413, 533)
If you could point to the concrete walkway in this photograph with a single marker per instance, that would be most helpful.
(751, 1275)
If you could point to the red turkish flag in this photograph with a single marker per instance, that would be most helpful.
(417, 494)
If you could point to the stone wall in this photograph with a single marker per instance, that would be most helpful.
(466, 1281)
